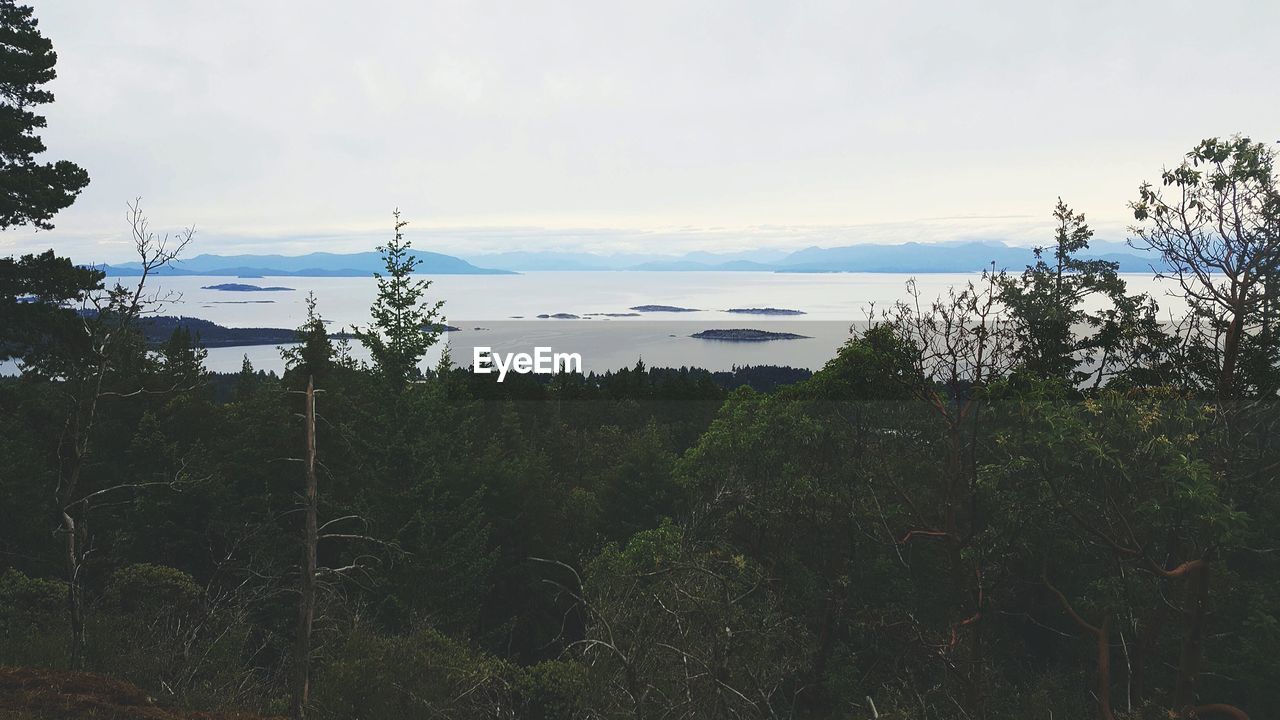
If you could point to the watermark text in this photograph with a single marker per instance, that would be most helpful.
(543, 361)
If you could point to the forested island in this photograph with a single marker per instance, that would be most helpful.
(746, 335)
(242, 287)
(159, 329)
(662, 309)
(764, 311)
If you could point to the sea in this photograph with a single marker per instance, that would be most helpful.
(501, 312)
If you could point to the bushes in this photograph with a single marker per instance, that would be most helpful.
(365, 674)
(33, 626)
(152, 590)
(421, 674)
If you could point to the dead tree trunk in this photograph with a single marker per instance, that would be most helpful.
(307, 587)
(75, 604)
(73, 447)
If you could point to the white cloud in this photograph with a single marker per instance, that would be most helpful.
(263, 121)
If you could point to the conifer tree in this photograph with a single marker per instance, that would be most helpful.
(405, 324)
(31, 193)
(1060, 336)
(314, 354)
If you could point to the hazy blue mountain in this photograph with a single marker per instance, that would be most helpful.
(761, 259)
(684, 265)
(945, 257)
(761, 256)
(319, 264)
(957, 256)
(907, 257)
(962, 256)
(554, 260)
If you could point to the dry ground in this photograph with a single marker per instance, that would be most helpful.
(41, 694)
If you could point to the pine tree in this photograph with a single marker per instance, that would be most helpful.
(314, 355)
(405, 325)
(1060, 337)
(31, 193)
(182, 359)
(246, 381)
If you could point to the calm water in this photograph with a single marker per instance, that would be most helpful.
(831, 303)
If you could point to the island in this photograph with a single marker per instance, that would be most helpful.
(765, 311)
(662, 308)
(241, 287)
(630, 314)
(746, 335)
(559, 316)
(157, 330)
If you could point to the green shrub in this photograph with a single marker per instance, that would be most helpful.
(421, 674)
(152, 590)
(552, 690)
(34, 626)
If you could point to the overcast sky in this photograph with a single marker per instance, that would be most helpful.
(289, 126)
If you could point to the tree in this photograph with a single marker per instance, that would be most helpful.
(1047, 306)
(307, 570)
(405, 325)
(182, 359)
(1126, 494)
(313, 357)
(1215, 220)
(31, 193)
(39, 322)
(103, 362)
(960, 346)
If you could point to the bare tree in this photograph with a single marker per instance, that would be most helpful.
(307, 585)
(109, 320)
(959, 343)
(314, 578)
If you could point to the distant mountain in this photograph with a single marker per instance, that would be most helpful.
(960, 256)
(319, 264)
(686, 265)
(908, 257)
(762, 259)
(558, 260)
(945, 257)
(913, 257)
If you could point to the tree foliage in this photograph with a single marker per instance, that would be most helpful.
(405, 324)
(31, 192)
(959, 516)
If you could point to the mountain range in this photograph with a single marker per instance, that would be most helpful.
(912, 257)
(317, 264)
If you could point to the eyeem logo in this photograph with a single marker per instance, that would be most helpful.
(542, 362)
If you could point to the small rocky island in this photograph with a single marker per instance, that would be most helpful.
(559, 316)
(662, 308)
(746, 335)
(241, 287)
(765, 311)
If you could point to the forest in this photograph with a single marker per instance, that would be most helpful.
(1030, 493)
(1039, 495)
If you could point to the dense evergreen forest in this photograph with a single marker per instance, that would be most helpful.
(1037, 496)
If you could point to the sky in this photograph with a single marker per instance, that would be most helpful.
(290, 126)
